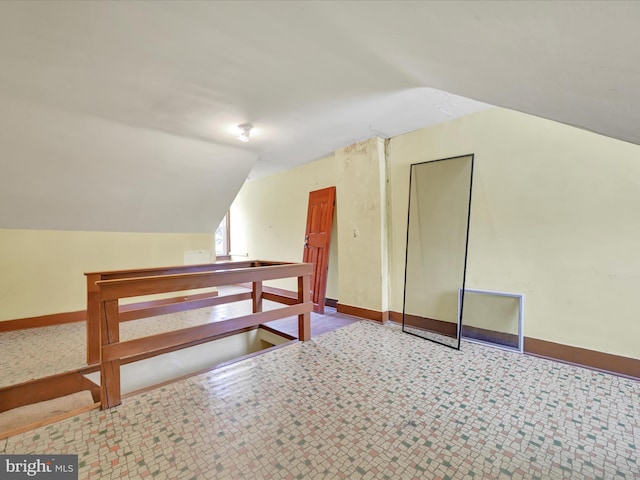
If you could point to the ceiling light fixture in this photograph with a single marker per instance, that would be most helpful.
(245, 132)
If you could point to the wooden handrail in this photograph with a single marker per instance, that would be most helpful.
(136, 287)
(107, 293)
(153, 271)
(93, 300)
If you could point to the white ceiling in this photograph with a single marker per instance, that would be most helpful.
(310, 76)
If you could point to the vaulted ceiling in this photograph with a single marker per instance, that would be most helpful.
(121, 115)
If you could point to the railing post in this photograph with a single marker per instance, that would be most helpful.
(93, 319)
(110, 371)
(256, 297)
(304, 319)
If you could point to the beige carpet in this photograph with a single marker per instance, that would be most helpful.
(38, 412)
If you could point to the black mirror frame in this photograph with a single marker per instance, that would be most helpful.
(466, 250)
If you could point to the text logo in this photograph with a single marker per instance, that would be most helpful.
(50, 467)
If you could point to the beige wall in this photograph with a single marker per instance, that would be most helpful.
(43, 270)
(362, 216)
(491, 312)
(268, 218)
(554, 216)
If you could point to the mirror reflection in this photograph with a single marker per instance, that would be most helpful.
(437, 232)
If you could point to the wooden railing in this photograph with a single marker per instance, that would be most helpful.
(126, 284)
(136, 311)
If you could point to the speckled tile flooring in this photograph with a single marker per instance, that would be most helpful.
(61, 348)
(365, 401)
(37, 353)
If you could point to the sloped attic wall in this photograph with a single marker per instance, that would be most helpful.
(66, 171)
(79, 193)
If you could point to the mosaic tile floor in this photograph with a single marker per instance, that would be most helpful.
(46, 351)
(37, 353)
(365, 401)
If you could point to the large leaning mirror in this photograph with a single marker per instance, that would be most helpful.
(436, 255)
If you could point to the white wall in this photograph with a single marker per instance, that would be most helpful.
(66, 171)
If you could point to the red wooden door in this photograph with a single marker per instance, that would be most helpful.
(316, 242)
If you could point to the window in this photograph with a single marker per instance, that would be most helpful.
(222, 237)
